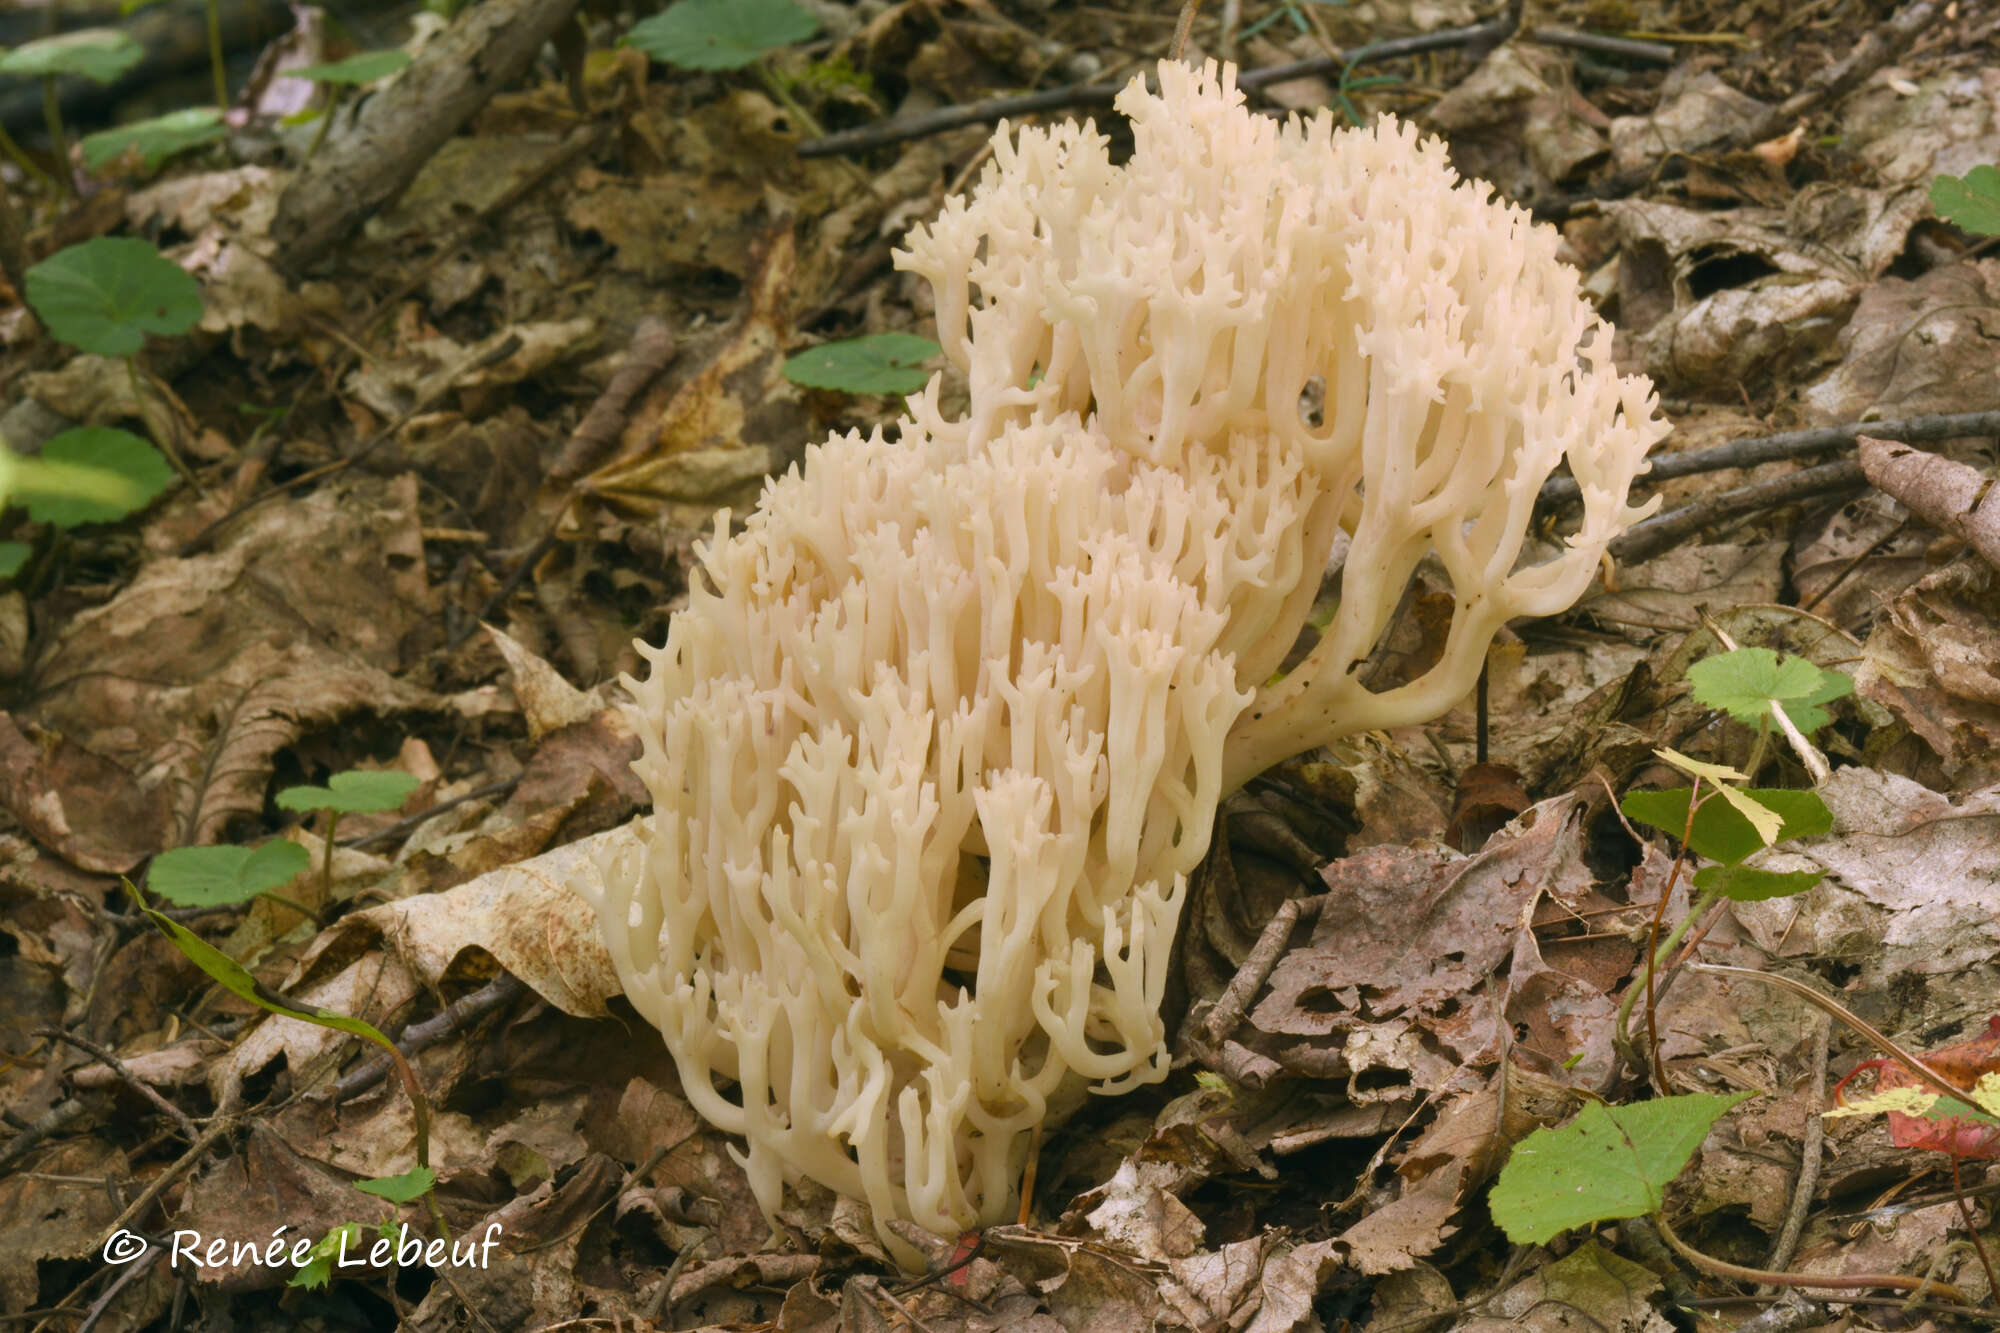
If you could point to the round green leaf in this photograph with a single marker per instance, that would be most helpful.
(95, 53)
(879, 363)
(222, 876)
(106, 295)
(12, 556)
(364, 68)
(721, 34)
(155, 140)
(92, 474)
(359, 791)
(1745, 682)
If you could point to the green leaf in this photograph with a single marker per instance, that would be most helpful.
(358, 791)
(721, 34)
(220, 876)
(233, 977)
(879, 363)
(154, 140)
(1746, 682)
(1747, 884)
(412, 1184)
(1972, 201)
(57, 493)
(357, 69)
(317, 1271)
(12, 556)
(1721, 833)
(1609, 1162)
(106, 295)
(94, 53)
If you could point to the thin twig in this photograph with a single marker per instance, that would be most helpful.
(1670, 529)
(58, 1116)
(651, 349)
(455, 1017)
(125, 1075)
(1809, 1154)
(1626, 48)
(1228, 1013)
(408, 822)
(1101, 94)
(1792, 444)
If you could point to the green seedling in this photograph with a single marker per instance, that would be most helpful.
(729, 34)
(341, 76)
(106, 295)
(233, 977)
(356, 792)
(98, 54)
(879, 363)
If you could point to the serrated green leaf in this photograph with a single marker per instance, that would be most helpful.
(358, 791)
(106, 295)
(317, 1271)
(721, 34)
(412, 1184)
(1747, 884)
(1609, 1162)
(879, 363)
(155, 140)
(1745, 683)
(57, 492)
(1971, 201)
(1720, 832)
(224, 875)
(101, 54)
(12, 556)
(366, 67)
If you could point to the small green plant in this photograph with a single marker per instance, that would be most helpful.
(105, 296)
(225, 875)
(1608, 1163)
(729, 34)
(99, 54)
(233, 977)
(878, 363)
(721, 34)
(155, 139)
(1616, 1162)
(1971, 201)
(355, 792)
(80, 477)
(341, 76)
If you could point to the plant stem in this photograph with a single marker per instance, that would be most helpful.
(215, 58)
(325, 120)
(58, 145)
(1837, 1281)
(326, 862)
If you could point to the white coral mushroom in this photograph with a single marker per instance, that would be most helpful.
(933, 755)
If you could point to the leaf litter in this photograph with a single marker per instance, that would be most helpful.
(392, 420)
